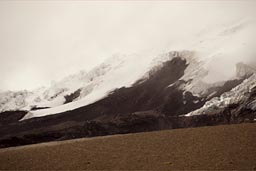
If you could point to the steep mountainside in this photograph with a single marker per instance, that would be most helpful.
(214, 57)
(150, 104)
(210, 80)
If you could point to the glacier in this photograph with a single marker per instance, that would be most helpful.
(214, 56)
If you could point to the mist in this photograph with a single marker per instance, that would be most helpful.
(43, 41)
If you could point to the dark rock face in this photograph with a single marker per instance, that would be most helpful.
(72, 96)
(9, 117)
(148, 105)
(226, 87)
(152, 94)
(38, 108)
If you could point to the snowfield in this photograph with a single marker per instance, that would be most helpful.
(213, 56)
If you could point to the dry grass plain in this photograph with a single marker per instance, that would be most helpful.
(224, 147)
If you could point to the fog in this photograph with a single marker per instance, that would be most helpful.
(45, 41)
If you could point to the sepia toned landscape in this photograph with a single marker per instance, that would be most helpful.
(127, 85)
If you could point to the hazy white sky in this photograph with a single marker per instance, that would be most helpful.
(47, 40)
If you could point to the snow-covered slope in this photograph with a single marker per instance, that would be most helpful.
(117, 71)
(235, 96)
(217, 54)
(13, 100)
(122, 71)
(214, 56)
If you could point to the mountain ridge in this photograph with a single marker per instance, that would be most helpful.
(210, 81)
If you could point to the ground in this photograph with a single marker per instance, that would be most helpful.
(225, 147)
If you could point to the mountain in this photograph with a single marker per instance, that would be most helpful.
(206, 80)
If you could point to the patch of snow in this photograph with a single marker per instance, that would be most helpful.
(252, 105)
(195, 101)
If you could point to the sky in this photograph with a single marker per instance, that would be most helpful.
(42, 41)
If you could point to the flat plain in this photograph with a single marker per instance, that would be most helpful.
(224, 147)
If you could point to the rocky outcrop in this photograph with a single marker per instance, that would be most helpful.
(71, 97)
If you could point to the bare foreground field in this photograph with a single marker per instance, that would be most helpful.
(219, 147)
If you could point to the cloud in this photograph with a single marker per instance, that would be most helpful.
(43, 41)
